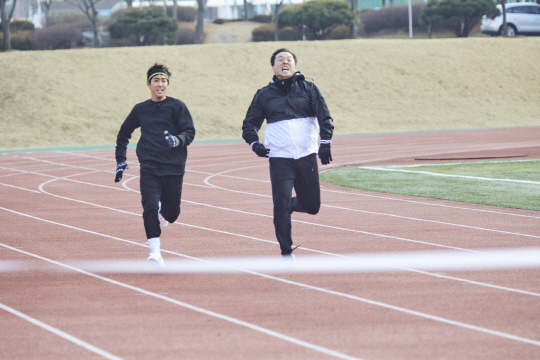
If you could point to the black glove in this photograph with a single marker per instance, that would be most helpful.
(172, 140)
(260, 150)
(120, 170)
(324, 154)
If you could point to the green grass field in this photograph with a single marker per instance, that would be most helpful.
(512, 183)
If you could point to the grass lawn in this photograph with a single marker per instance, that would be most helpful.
(512, 183)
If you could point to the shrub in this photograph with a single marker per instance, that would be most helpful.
(460, 15)
(144, 27)
(288, 33)
(118, 43)
(319, 16)
(340, 32)
(20, 25)
(185, 35)
(266, 33)
(263, 33)
(55, 37)
(21, 40)
(66, 18)
(261, 18)
(395, 17)
(220, 21)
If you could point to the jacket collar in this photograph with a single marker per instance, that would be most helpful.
(297, 76)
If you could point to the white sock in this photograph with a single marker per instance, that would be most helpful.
(154, 245)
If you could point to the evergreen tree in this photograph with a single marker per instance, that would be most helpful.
(460, 15)
(145, 27)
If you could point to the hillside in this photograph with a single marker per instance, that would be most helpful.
(81, 97)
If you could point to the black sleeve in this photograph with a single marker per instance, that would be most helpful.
(122, 139)
(326, 124)
(253, 121)
(185, 122)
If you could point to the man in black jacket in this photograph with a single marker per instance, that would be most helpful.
(296, 114)
(166, 131)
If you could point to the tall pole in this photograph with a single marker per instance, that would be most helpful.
(410, 20)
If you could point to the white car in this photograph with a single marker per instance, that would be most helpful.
(521, 18)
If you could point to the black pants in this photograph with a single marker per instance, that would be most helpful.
(168, 190)
(303, 175)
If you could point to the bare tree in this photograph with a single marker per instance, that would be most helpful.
(88, 7)
(505, 24)
(276, 21)
(45, 8)
(175, 10)
(6, 20)
(246, 15)
(352, 28)
(199, 28)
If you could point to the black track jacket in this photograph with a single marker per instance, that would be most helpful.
(302, 100)
(152, 149)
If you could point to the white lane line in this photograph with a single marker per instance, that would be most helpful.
(355, 194)
(22, 172)
(124, 184)
(339, 228)
(448, 175)
(434, 221)
(460, 163)
(58, 332)
(431, 204)
(373, 213)
(256, 239)
(67, 165)
(372, 196)
(443, 276)
(21, 188)
(230, 176)
(230, 319)
(298, 221)
(206, 181)
(190, 161)
(262, 240)
(297, 284)
(224, 163)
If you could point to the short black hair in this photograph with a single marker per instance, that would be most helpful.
(157, 68)
(273, 58)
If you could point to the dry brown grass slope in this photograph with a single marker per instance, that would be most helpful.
(81, 97)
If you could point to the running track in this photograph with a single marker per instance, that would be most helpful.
(56, 207)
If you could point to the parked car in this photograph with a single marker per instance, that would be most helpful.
(522, 18)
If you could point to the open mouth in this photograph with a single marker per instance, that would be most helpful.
(285, 68)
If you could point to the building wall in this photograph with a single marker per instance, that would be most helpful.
(22, 8)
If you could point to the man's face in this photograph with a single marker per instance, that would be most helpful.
(158, 87)
(284, 65)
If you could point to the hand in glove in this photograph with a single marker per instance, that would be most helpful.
(120, 170)
(324, 154)
(259, 149)
(172, 140)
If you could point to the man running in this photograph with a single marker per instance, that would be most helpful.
(166, 131)
(296, 114)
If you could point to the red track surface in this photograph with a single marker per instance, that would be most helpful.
(58, 206)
